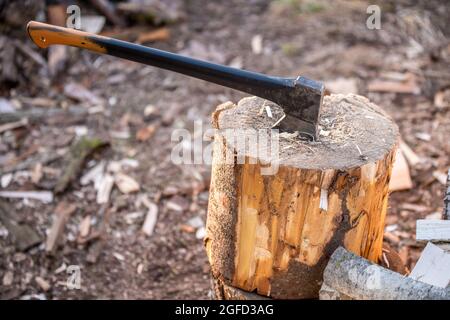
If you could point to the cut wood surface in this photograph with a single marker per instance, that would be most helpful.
(358, 278)
(273, 233)
(433, 266)
(433, 230)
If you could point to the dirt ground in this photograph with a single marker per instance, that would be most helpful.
(327, 42)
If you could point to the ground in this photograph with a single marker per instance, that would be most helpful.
(316, 39)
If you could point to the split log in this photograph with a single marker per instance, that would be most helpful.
(356, 278)
(274, 220)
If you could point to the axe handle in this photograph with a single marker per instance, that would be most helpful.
(267, 87)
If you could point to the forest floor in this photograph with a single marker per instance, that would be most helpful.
(403, 67)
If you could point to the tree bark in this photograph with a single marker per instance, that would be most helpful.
(348, 276)
(275, 218)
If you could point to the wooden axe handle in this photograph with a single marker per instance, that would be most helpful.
(44, 35)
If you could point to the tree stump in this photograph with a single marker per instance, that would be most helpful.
(272, 232)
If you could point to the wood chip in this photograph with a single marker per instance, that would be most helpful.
(13, 125)
(160, 34)
(412, 158)
(42, 283)
(145, 133)
(400, 178)
(257, 44)
(37, 173)
(77, 92)
(125, 183)
(433, 267)
(440, 176)
(104, 189)
(8, 278)
(43, 196)
(61, 216)
(150, 220)
(409, 86)
(84, 227)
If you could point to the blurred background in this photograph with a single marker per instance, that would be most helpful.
(87, 183)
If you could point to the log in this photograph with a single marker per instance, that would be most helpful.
(357, 278)
(275, 218)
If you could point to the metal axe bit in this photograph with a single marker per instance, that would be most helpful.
(300, 98)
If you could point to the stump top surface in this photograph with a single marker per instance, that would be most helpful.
(352, 132)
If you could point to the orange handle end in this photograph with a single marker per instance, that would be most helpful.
(44, 35)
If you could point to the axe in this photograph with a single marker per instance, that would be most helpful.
(300, 98)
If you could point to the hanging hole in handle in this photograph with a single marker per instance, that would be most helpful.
(43, 39)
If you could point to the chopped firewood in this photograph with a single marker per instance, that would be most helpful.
(43, 196)
(145, 133)
(22, 235)
(433, 230)
(412, 158)
(104, 188)
(79, 151)
(125, 183)
(161, 34)
(61, 216)
(150, 220)
(433, 267)
(400, 177)
(42, 283)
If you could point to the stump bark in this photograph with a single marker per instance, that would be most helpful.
(274, 220)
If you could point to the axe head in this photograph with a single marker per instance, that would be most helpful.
(301, 103)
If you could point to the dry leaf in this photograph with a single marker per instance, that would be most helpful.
(145, 133)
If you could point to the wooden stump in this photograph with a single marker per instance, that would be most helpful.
(273, 234)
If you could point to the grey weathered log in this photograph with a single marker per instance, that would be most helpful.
(433, 230)
(360, 279)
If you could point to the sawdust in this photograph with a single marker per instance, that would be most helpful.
(352, 132)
